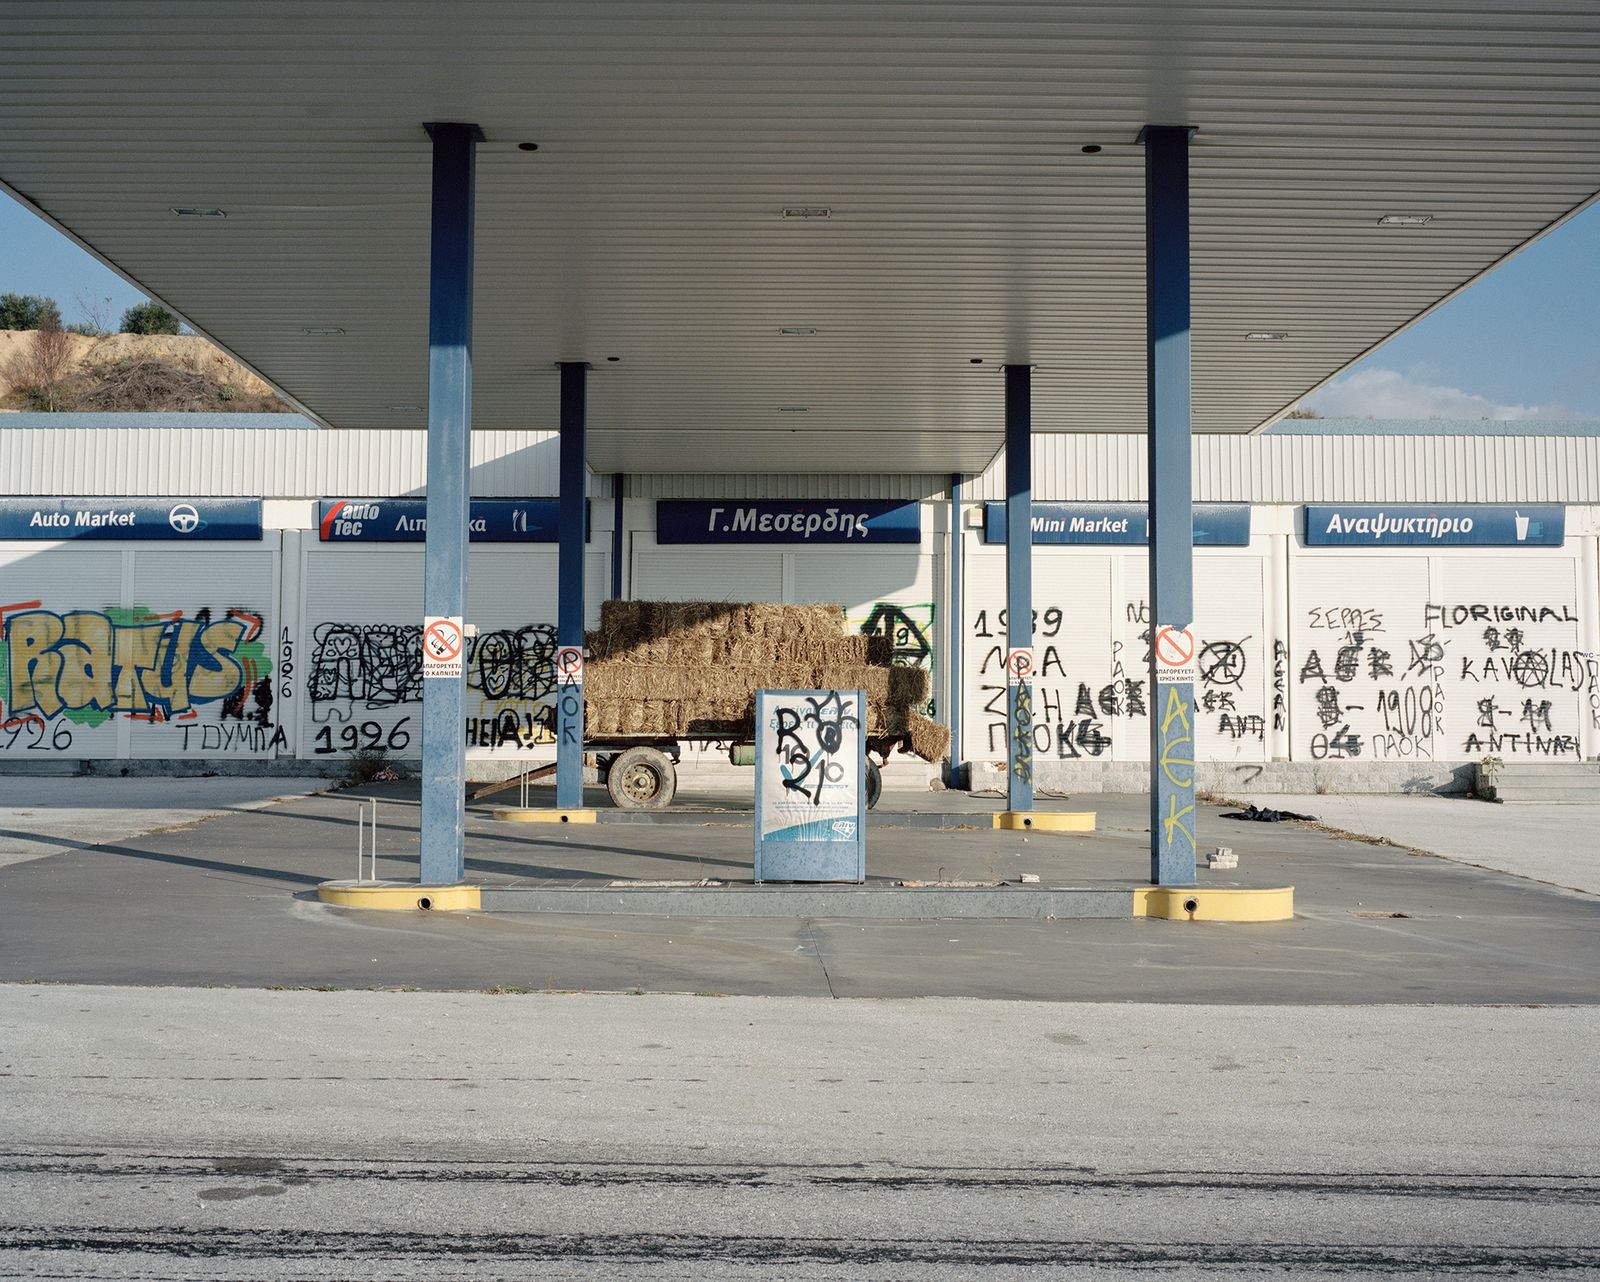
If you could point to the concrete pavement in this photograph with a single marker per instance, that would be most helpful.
(247, 1134)
(45, 815)
(232, 902)
(1555, 844)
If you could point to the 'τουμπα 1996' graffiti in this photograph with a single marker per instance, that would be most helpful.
(83, 667)
(361, 668)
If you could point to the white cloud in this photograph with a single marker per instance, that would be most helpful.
(1387, 393)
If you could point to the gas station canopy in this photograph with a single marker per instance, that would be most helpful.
(786, 235)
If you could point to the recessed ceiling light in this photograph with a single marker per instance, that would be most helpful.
(1405, 220)
(807, 211)
(613, 359)
(321, 331)
(974, 360)
(794, 409)
(798, 331)
(527, 146)
(404, 409)
(1267, 335)
(199, 211)
(1093, 149)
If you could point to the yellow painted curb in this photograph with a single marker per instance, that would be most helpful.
(541, 815)
(1203, 903)
(1046, 820)
(398, 896)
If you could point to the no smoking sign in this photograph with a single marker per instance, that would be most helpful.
(442, 643)
(1174, 652)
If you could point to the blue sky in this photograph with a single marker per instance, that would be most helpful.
(1524, 343)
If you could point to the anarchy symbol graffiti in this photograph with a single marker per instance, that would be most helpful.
(1222, 663)
(1531, 668)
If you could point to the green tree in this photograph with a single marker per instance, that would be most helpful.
(27, 311)
(149, 318)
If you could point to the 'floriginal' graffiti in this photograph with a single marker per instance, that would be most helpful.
(86, 666)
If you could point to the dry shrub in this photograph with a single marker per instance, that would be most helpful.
(39, 372)
(148, 384)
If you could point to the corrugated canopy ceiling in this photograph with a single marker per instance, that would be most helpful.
(967, 223)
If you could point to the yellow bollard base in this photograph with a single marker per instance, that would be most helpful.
(1046, 820)
(398, 896)
(1214, 903)
(543, 815)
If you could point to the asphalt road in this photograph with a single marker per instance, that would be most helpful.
(217, 1134)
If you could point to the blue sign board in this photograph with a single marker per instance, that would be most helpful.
(1216, 525)
(857, 521)
(406, 520)
(1456, 525)
(176, 520)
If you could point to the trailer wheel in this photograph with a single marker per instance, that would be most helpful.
(874, 783)
(642, 779)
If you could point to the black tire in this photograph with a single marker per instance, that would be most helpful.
(874, 783)
(642, 779)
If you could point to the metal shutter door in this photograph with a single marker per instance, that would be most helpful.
(60, 580)
(1072, 654)
(362, 613)
(1515, 683)
(707, 574)
(237, 589)
(1362, 662)
(892, 593)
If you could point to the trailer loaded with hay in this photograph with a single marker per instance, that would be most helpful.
(659, 674)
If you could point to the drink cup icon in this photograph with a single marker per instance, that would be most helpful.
(1522, 528)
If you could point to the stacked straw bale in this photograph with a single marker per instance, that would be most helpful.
(693, 668)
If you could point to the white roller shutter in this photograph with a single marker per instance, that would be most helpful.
(1091, 656)
(229, 600)
(62, 717)
(705, 573)
(1364, 674)
(1516, 683)
(145, 650)
(1449, 656)
(361, 678)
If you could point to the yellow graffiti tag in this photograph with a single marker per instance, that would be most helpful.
(1174, 821)
(1172, 753)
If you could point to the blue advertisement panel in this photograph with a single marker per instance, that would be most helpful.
(857, 521)
(185, 520)
(1456, 525)
(1216, 525)
(811, 795)
(406, 520)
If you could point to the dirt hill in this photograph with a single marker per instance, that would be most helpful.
(129, 373)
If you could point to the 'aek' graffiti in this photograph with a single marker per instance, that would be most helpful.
(89, 665)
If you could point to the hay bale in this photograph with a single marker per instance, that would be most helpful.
(880, 649)
(929, 739)
(908, 685)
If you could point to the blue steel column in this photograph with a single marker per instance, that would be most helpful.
(1019, 582)
(955, 623)
(572, 532)
(1172, 773)
(619, 483)
(444, 571)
